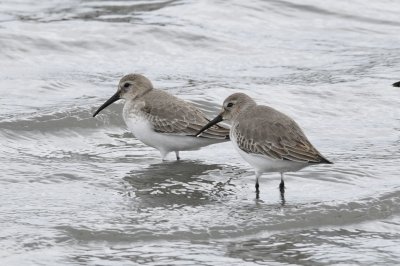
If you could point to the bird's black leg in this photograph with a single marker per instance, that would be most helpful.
(282, 185)
(257, 185)
(282, 190)
(177, 155)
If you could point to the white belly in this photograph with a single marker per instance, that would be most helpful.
(262, 163)
(165, 143)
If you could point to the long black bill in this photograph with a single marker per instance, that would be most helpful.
(113, 98)
(210, 124)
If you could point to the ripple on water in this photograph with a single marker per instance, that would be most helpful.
(82, 190)
(316, 247)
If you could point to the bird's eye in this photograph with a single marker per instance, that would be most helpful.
(126, 85)
(229, 105)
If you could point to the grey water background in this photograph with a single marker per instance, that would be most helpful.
(77, 190)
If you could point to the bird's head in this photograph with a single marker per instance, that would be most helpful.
(130, 87)
(231, 108)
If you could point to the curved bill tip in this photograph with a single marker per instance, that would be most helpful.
(210, 124)
(113, 99)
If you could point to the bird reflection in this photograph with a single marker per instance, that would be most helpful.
(179, 182)
(283, 201)
(281, 193)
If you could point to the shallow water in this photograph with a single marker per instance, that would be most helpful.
(82, 190)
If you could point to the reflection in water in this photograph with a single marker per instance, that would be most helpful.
(283, 201)
(179, 182)
(281, 194)
(67, 196)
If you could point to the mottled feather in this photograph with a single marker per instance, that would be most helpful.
(266, 131)
(171, 115)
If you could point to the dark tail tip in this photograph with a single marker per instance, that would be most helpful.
(324, 160)
(396, 84)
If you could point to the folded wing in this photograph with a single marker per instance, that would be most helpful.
(179, 117)
(273, 134)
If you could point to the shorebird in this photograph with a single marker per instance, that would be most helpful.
(161, 120)
(267, 139)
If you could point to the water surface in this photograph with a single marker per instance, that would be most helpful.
(79, 190)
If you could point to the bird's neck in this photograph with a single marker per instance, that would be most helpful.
(133, 107)
(244, 108)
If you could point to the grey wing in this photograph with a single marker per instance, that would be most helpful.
(276, 138)
(175, 116)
